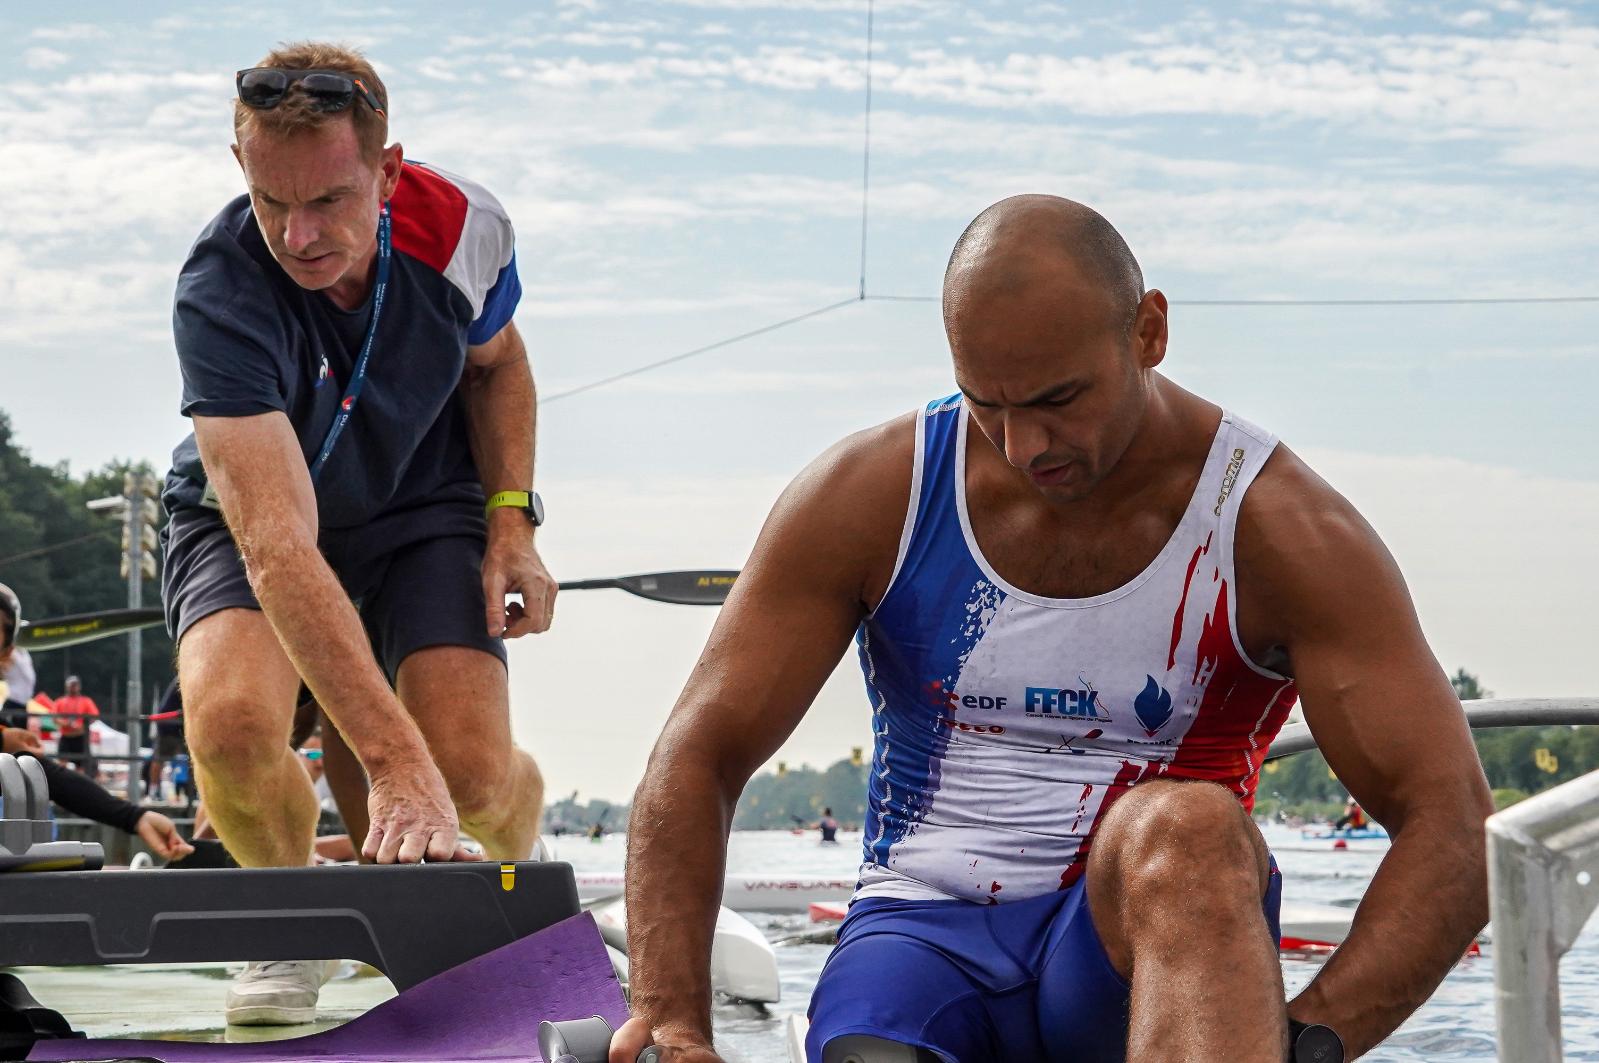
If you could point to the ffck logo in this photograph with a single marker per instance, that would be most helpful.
(1069, 704)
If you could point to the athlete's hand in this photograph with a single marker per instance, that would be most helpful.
(678, 1046)
(161, 835)
(19, 740)
(511, 565)
(412, 817)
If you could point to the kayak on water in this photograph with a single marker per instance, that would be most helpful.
(1370, 833)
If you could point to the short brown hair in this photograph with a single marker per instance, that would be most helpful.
(295, 112)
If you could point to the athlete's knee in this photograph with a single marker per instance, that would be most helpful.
(234, 736)
(1161, 836)
(484, 785)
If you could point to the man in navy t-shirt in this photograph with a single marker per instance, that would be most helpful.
(356, 500)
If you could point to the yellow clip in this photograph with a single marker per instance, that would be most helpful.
(507, 877)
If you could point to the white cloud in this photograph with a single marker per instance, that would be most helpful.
(1498, 560)
(44, 58)
(71, 31)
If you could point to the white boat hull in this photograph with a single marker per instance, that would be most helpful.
(743, 963)
(1316, 924)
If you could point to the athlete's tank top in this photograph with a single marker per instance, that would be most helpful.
(1006, 723)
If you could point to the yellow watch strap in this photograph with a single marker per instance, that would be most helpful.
(519, 499)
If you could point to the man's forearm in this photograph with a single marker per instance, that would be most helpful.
(322, 634)
(501, 413)
(1420, 914)
(676, 859)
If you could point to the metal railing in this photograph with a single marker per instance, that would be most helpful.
(1543, 877)
(1543, 881)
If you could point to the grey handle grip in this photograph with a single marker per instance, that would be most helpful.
(584, 1041)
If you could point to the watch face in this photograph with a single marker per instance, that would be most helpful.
(535, 508)
(1318, 1044)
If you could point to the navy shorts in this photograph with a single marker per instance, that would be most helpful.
(977, 983)
(415, 577)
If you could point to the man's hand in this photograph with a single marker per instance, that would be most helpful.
(511, 565)
(19, 740)
(161, 835)
(679, 1046)
(413, 818)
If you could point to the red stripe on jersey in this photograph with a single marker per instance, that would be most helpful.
(1239, 714)
(1129, 775)
(1177, 619)
(429, 214)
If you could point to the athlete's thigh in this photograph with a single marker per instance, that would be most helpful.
(459, 700)
(238, 685)
(928, 975)
(430, 594)
(1083, 1003)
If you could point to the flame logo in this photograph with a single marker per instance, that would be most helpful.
(1153, 707)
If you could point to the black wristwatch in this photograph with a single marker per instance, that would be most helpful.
(528, 502)
(1313, 1043)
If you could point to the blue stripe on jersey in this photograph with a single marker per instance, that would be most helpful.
(498, 305)
(918, 640)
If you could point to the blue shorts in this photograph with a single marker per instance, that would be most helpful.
(416, 577)
(974, 983)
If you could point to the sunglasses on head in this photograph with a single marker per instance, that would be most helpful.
(264, 87)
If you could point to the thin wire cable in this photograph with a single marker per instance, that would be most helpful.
(866, 149)
(1463, 301)
(53, 547)
(636, 370)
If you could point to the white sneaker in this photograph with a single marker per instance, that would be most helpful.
(277, 992)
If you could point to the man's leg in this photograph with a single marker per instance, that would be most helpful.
(347, 779)
(238, 702)
(460, 701)
(1175, 883)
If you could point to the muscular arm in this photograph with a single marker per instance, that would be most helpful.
(823, 555)
(502, 414)
(261, 479)
(1389, 724)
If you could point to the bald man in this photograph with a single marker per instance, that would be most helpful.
(1085, 600)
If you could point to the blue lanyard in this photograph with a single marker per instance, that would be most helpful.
(358, 378)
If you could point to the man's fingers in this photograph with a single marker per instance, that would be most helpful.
(522, 622)
(547, 613)
(414, 847)
(440, 847)
(389, 851)
(494, 601)
(533, 616)
(629, 1041)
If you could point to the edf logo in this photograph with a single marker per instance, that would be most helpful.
(1073, 704)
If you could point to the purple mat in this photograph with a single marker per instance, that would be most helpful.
(485, 1009)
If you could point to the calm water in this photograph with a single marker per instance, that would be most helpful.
(1457, 1024)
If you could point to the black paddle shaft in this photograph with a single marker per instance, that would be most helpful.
(707, 587)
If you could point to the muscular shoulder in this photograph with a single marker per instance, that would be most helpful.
(455, 227)
(1301, 547)
(846, 510)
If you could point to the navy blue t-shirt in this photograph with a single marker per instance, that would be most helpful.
(250, 341)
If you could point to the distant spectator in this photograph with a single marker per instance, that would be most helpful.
(168, 737)
(68, 789)
(73, 713)
(18, 681)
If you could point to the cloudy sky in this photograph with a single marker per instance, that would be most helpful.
(682, 172)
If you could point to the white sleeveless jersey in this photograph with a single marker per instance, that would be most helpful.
(1007, 723)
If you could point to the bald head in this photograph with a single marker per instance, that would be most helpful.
(1024, 242)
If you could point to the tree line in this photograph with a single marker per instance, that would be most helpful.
(60, 558)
